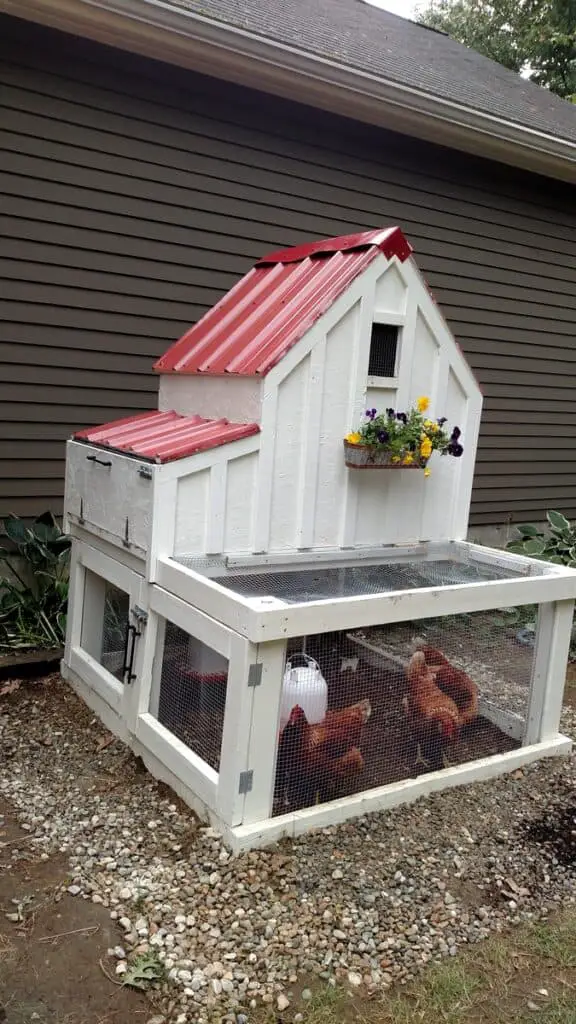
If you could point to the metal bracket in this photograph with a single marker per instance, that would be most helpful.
(81, 516)
(245, 780)
(140, 615)
(145, 472)
(255, 675)
(126, 538)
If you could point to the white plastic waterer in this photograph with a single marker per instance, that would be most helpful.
(306, 687)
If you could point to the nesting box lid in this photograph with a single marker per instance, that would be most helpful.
(276, 303)
(165, 436)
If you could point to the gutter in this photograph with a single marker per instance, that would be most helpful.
(182, 37)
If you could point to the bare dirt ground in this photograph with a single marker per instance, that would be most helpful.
(50, 961)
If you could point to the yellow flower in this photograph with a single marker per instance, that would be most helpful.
(426, 448)
(353, 438)
(422, 403)
(395, 458)
(408, 459)
(427, 472)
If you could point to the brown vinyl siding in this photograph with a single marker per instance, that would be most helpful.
(134, 194)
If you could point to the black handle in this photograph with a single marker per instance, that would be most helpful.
(94, 458)
(128, 674)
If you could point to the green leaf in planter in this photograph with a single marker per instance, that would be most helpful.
(534, 546)
(15, 529)
(558, 522)
(555, 559)
(528, 530)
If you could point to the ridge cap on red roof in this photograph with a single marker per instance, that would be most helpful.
(391, 241)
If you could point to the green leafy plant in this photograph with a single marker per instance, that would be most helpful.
(557, 544)
(144, 971)
(34, 592)
(410, 437)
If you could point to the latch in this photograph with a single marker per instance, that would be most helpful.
(145, 472)
(245, 781)
(255, 675)
(140, 615)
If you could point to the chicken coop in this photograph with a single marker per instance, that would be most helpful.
(286, 624)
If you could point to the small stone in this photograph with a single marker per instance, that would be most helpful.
(355, 979)
(119, 953)
(158, 1019)
(125, 923)
(216, 986)
(337, 874)
(121, 967)
(125, 893)
(306, 995)
(282, 1002)
(543, 992)
(532, 1006)
(74, 890)
(97, 899)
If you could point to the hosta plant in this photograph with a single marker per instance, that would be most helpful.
(557, 544)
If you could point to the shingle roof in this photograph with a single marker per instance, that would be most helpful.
(164, 436)
(370, 40)
(276, 303)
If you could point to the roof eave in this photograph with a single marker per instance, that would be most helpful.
(184, 38)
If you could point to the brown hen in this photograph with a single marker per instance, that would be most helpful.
(432, 714)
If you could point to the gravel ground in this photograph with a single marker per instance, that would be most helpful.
(366, 904)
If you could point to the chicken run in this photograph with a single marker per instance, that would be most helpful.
(273, 601)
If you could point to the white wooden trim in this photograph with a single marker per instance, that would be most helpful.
(264, 732)
(553, 635)
(216, 519)
(265, 477)
(178, 758)
(164, 506)
(399, 606)
(258, 834)
(466, 467)
(103, 535)
(356, 402)
(112, 549)
(108, 715)
(96, 678)
(385, 316)
(201, 592)
(77, 577)
(234, 754)
(307, 484)
(115, 572)
(191, 620)
(386, 383)
(331, 556)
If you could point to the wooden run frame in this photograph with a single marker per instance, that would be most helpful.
(252, 634)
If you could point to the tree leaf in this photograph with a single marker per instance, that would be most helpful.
(534, 546)
(558, 522)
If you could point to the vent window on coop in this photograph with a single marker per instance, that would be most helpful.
(383, 351)
(189, 697)
(105, 620)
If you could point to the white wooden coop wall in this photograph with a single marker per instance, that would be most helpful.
(296, 492)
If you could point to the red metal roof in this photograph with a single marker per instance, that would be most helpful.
(165, 436)
(270, 309)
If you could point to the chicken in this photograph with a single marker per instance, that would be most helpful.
(433, 715)
(455, 683)
(314, 760)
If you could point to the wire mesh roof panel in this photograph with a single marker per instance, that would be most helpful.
(321, 583)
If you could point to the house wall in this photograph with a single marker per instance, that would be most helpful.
(134, 195)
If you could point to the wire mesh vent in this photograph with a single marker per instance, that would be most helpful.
(191, 697)
(116, 618)
(323, 584)
(383, 349)
(400, 701)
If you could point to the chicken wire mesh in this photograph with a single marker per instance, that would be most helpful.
(115, 624)
(381, 705)
(322, 583)
(189, 698)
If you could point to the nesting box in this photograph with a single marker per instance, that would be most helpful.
(226, 535)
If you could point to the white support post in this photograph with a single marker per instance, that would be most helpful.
(234, 752)
(75, 603)
(553, 636)
(264, 732)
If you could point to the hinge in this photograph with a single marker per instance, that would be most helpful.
(126, 539)
(245, 780)
(81, 516)
(255, 675)
(145, 472)
(140, 615)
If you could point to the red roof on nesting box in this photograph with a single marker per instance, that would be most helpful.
(270, 309)
(164, 436)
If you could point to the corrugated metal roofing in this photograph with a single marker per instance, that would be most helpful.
(165, 436)
(274, 305)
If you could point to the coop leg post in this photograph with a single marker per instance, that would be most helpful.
(553, 635)
(264, 732)
(75, 603)
(236, 731)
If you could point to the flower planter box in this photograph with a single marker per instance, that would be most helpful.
(367, 456)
